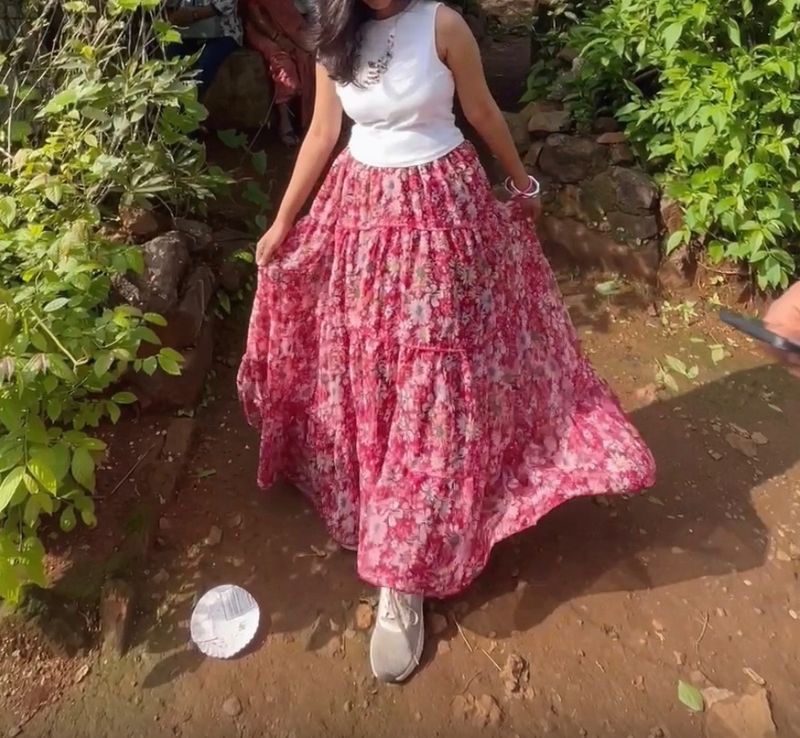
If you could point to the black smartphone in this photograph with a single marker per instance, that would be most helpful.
(755, 329)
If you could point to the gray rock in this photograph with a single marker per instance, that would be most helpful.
(201, 236)
(569, 203)
(166, 259)
(544, 123)
(605, 124)
(629, 227)
(635, 190)
(201, 285)
(612, 137)
(745, 716)
(572, 158)
(540, 106)
(619, 188)
(534, 152)
(232, 707)
(622, 155)
(142, 224)
(123, 290)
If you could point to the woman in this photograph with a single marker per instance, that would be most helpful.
(277, 30)
(410, 363)
(210, 28)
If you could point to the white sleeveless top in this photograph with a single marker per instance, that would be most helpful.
(406, 117)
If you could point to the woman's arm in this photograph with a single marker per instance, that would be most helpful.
(315, 153)
(459, 51)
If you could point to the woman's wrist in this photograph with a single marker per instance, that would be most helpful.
(282, 221)
(528, 191)
(520, 180)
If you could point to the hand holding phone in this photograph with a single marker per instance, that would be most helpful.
(780, 329)
(758, 330)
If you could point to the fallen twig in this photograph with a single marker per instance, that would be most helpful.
(489, 656)
(702, 632)
(470, 680)
(461, 633)
(127, 475)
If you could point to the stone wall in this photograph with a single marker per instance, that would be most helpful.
(186, 262)
(599, 206)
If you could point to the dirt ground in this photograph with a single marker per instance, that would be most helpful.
(582, 626)
(610, 605)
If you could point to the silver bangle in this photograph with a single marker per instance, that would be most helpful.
(534, 188)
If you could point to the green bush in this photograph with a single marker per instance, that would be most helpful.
(708, 91)
(91, 118)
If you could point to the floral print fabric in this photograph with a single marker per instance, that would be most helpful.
(413, 370)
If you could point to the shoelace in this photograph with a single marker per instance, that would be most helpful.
(395, 606)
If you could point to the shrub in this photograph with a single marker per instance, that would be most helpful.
(708, 91)
(91, 117)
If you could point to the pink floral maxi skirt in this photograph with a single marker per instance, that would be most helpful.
(411, 367)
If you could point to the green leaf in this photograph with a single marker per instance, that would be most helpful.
(608, 288)
(675, 240)
(8, 211)
(9, 485)
(169, 365)
(67, 520)
(702, 140)
(12, 452)
(690, 696)
(670, 383)
(232, 139)
(103, 363)
(62, 100)
(676, 365)
(155, 319)
(734, 33)
(114, 413)
(56, 304)
(83, 468)
(54, 192)
(259, 161)
(30, 514)
(42, 467)
(124, 398)
(752, 173)
(672, 34)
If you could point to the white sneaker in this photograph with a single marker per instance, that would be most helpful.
(398, 636)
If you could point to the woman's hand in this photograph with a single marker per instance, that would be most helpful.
(783, 318)
(271, 241)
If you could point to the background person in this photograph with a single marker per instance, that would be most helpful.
(210, 27)
(278, 31)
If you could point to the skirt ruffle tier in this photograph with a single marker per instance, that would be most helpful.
(412, 368)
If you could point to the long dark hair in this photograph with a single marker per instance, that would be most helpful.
(336, 35)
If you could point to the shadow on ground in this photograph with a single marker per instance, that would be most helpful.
(698, 522)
